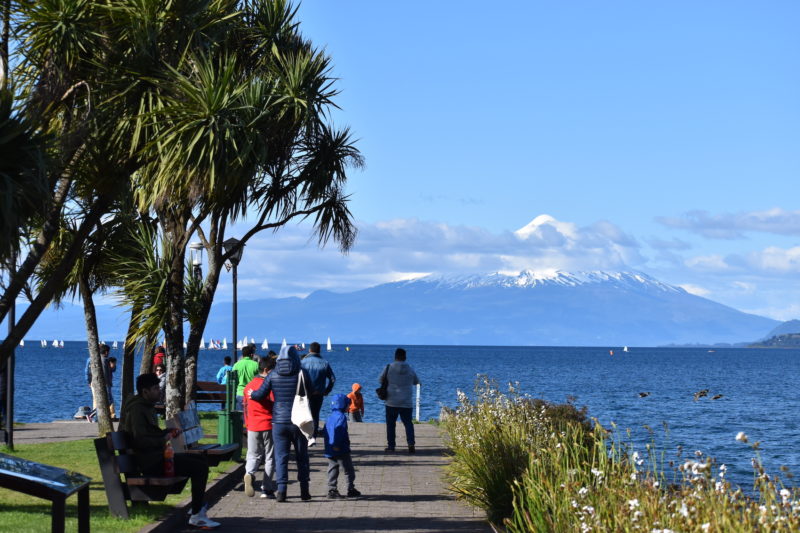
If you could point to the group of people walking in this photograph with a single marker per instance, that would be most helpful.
(266, 392)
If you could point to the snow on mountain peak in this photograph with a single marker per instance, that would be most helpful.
(536, 226)
(531, 279)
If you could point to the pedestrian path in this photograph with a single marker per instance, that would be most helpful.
(58, 431)
(400, 492)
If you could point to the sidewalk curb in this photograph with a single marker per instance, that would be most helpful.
(214, 491)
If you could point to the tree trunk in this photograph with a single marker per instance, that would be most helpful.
(128, 359)
(173, 329)
(196, 330)
(104, 424)
(146, 366)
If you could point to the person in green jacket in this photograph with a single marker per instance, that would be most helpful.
(246, 369)
(140, 422)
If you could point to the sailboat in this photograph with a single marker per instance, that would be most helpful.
(115, 345)
(43, 343)
(225, 343)
(283, 344)
(55, 344)
(202, 343)
(329, 345)
(303, 346)
(265, 345)
(252, 340)
(61, 344)
(624, 348)
(22, 343)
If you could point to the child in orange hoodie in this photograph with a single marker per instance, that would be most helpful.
(356, 409)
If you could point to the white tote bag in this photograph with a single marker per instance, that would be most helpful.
(301, 411)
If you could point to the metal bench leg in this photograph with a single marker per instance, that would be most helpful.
(83, 510)
(58, 509)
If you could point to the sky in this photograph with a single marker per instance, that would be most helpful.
(657, 137)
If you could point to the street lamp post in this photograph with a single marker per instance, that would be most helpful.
(196, 256)
(9, 370)
(234, 248)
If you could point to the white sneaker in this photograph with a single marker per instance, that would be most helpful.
(248, 485)
(311, 442)
(202, 521)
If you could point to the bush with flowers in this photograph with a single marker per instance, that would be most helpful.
(534, 466)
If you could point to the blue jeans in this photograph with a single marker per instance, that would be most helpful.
(284, 436)
(391, 419)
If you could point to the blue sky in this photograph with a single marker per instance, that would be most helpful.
(660, 137)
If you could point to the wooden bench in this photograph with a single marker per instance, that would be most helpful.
(188, 422)
(122, 478)
(210, 392)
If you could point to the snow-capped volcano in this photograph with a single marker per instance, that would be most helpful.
(531, 279)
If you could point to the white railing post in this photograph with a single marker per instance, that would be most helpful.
(417, 402)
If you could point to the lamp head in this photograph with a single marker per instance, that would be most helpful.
(232, 245)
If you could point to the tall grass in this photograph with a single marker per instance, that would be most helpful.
(533, 466)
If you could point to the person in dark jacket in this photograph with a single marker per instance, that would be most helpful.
(107, 373)
(322, 378)
(337, 448)
(282, 382)
(139, 420)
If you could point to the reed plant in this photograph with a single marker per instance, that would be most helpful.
(533, 467)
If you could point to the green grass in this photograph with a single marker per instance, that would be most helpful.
(22, 513)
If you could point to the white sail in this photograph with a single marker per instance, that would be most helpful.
(202, 343)
(61, 344)
(43, 343)
(283, 344)
(55, 344)
(22, 343)
(115, 346)
(265, 345)
(624, 348)
(303, 346)
(329, 345)
(225, 343)
(252, 340)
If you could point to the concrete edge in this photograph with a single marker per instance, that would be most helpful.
(218, 488)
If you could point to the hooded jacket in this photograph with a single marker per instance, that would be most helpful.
(282, 382)
(337, 440)
(139, 420)
(257, 414)
(356, 399)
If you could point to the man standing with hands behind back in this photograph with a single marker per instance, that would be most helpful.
(322, 377)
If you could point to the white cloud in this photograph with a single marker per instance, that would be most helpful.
(694, 289)
(288, 263)
(735, 225)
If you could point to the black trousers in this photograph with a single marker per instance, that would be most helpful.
(315, 404)
(195, 468)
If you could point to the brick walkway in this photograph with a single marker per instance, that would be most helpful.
(401, 492)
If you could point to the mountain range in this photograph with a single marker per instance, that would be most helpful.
(528, 308)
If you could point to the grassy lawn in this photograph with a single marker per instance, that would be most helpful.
(23, 513)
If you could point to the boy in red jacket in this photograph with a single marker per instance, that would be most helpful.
(258, 421)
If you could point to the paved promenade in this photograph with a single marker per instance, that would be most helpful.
(400, 492)
(58, 431)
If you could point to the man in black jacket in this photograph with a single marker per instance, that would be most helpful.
(139, 420)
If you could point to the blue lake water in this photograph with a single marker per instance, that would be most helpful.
(758, 387)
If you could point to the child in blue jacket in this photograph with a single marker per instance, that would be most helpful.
(337, 448)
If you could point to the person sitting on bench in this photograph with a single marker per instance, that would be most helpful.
(139, 420)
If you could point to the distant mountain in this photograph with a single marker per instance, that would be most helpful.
(530, 308)
(560, 308)
(785, 340)
(786, 328)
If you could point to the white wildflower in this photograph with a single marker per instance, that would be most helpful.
(741, 436)
(633, 504)
(588, 509)
(583, 491)
(684, 510)
(705, 526)
(637, 515)
(785, 495)
(719, 486)
(574, 504)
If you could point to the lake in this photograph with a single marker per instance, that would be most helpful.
(759, 395)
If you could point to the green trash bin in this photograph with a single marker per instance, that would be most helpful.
(230, 430)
